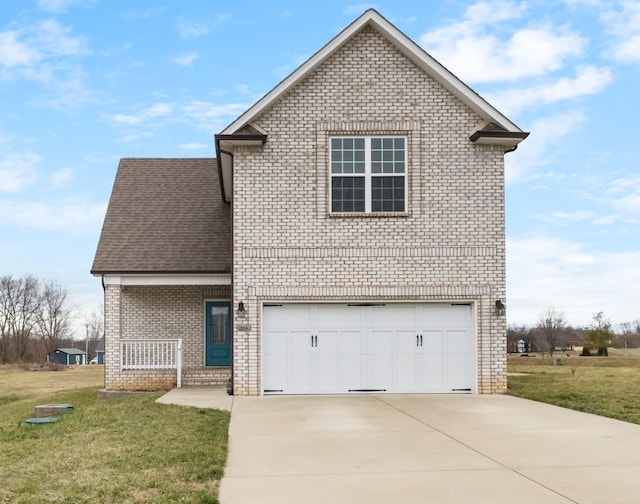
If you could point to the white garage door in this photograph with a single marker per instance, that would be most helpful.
(401, 348)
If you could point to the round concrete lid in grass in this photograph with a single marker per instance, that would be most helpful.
(41, 420)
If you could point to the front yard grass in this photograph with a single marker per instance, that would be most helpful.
(607, 386)
(126, 450)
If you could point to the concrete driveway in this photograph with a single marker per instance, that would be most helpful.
(426, 449)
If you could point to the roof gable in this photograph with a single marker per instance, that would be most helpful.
(408, 48)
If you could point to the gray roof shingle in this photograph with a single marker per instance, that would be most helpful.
(165, 216)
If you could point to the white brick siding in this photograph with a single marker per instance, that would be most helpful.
(450, 245)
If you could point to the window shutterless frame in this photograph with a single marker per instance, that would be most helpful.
(368, 174)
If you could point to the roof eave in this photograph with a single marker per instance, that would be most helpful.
(502, 138)
(224, 156)
(99, 273)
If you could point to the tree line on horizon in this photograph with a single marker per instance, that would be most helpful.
(36, 317)
(553, 333)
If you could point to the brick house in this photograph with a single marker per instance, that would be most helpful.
(349, 235)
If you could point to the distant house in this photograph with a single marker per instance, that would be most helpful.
(67, 356)
(100, 351)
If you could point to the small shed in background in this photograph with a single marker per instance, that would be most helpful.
(100, 351)
(67, 356)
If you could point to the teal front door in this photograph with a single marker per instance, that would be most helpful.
(218, 333)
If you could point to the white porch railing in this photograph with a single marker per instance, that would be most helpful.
(152, 354)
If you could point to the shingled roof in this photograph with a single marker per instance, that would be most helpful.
(165, 216)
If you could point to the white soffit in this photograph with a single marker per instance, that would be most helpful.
(405, 45)
(167, 279)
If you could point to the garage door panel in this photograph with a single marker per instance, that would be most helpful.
(276, 343)
(432, 342)
(287, 317)
(382, 342)
(403, 348)
(338, 317)
(394, 317)
(458, 377)
(433, 374)
(444, 315)
(457, 341)
(277, 378)
(299, 342)
(351, 342)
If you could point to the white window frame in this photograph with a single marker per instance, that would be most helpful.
(368, 175)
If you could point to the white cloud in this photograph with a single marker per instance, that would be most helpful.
(566, 218)
(212, 116)
(207, 114)
(476, 54)
(61, 177)
(191, 28)
(69, 215)
(185, 59)
(17, 171)
(284, 14)
(282, 70)
(531, 158)
(193, 146)
(494, 12)
(589, 80)
(624, 194)
(65, 94)
(125, 119)
(143, 14)
(58, 6)
(624, 25)
(545, 271)
(358, 9)
(607, 220)
(243, 88)
(628, 50)
(46, 52)
(52, 38)
(15, 53)
(156, 110)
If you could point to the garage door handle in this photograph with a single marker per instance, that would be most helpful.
(421, 340)
(417, 340)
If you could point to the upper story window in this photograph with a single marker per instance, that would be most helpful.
(368, 174)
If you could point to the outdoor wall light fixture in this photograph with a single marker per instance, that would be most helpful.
(501, 309)
(241, 311)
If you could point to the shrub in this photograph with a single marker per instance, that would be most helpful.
(585, 352)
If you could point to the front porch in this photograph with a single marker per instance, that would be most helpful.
(164, 335)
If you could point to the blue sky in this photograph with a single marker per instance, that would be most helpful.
(86, 82)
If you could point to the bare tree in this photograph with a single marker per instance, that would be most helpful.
(5, 315)
(630, 334)
(551, 325)
(23, 298)
(94, 323)
(30, 309)
(53, 315)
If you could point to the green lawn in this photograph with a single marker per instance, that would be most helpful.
(116, 451)
(607, 386)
